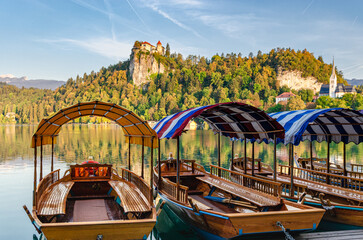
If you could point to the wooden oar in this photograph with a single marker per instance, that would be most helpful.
(32, 219)
(231, 201)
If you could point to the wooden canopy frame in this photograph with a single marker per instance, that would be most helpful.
(135, 129)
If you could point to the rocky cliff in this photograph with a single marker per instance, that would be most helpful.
(294, 80)
(142, 65)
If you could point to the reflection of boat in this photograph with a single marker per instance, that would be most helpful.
(337, 190)
(91, 200)
(224, 203)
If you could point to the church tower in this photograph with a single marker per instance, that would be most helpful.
(333, 82)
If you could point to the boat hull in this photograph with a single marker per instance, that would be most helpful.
(345, 214)
(221, 226)
(138, 229)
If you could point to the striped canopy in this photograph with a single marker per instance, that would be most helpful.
(342, 125)
(234, 120)
(133, 126)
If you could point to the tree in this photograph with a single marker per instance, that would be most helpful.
(295, 103)
(167, 50)
(306, 95)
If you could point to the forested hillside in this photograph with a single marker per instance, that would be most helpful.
(188, 82)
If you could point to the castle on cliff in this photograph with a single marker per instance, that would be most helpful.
(143, 64)
(151, 48)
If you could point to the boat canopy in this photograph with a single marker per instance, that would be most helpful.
(233, 119)
(133, 126)
(341, 125)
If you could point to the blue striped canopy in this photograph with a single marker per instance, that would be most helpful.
(233, 119)
(342, 125)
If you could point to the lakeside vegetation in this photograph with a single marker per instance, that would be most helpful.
(188, 82)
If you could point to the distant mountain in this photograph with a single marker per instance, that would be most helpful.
(35, 83)
(355, 82)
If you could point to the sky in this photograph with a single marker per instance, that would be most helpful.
(51, 39)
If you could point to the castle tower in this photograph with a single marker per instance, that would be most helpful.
(160, 48)
(333, 82)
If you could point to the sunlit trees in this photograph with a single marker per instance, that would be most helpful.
(295, 103)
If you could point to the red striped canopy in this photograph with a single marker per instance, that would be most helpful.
(233, 119)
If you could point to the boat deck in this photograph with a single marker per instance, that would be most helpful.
(211, 205)
(255, 197)
(90, 210)
(324, 188)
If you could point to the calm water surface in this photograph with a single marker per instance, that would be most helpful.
(106, 144)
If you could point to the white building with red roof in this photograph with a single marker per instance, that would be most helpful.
(284, 97)
(151, 48)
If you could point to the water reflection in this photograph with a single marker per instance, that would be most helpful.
(106, 144)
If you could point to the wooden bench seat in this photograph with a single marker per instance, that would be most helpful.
(325, 188)
(253, 196)
(53, 201)
(132, 200)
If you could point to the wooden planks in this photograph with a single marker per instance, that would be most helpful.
(245, 193)
(332, 235)
(53, 200)
(325, 188)
(132, 200)
(90, 210)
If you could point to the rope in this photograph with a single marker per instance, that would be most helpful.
(287, 234)
(327, 208)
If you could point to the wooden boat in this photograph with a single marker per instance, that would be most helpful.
(339, 192)
(320, 164)
(216, 205)
(224, 203)
(91, 200)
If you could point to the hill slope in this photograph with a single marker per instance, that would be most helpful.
(186, 83)
(33, 83)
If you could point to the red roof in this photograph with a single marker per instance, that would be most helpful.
(159, 43)
(286, 95)
(146, 43)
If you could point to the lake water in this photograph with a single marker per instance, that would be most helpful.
(106, 144)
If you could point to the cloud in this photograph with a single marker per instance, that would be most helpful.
(138, 16)
(186, 3)
(113, 17)
(309, 5)
(236, 26)
(106, 47)
(155, 6)
(110, 17)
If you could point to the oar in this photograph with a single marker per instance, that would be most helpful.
(228, 200)
(32, 219)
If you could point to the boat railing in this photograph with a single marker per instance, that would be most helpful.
(256, 183)
(354, 174)
(136, 180)
(323, 177)
(186, 165)
(45, 183)
(357, 168)
(171, 189)
(239, 162)
(298, 190)
(192, 166)
(91, 171)
(324, 169)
